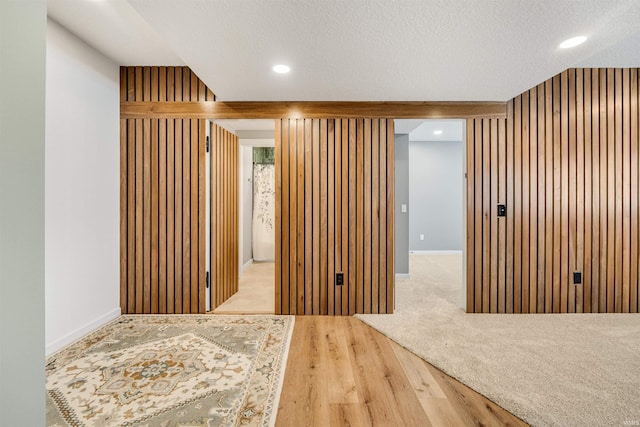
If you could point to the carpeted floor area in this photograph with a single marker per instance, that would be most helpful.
(178, 370)
(549, 370)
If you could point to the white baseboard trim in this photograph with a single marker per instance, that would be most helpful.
(246, 265)
(74, 336)
(403, 276)
(435, 252)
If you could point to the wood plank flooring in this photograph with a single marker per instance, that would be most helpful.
(255, 292)
(341, 372)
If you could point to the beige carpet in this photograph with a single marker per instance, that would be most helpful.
(256, 292)
(550, 370)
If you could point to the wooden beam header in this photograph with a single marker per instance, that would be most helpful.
(316, 109)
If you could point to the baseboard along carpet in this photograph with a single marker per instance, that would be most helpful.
(178, 370)
(549, 370)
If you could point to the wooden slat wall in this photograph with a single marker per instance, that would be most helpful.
(224, 215)
(162, 196)
(565, 162)
(335, 214)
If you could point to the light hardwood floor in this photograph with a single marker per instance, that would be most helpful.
(341, 372)
(256, 292)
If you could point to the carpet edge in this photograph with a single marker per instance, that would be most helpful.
(514, 411)
(283, 371)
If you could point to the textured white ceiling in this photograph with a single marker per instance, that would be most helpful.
(405, 126)
(451, 131)
(114, 28)
(361, 50)
(381, 50)
(256, 125)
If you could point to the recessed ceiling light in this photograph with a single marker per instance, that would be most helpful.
(437, 132)
(572, 42)
(281, 68)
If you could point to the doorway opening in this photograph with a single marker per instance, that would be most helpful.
(256, 218)
(430, 215)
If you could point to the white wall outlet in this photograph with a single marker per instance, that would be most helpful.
(403, 208)
(422, 237)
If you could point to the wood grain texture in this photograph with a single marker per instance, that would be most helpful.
(155, 205)
(470, 229)
(139, 199)
(123, 203)
(334, 177)
(510, 183)
(341, 372)
(146, 209)
(186, 205)
(299, 269)
(137, 108)
(501, 222)
(308, 220)
(170, 217)
(278, 214)
(391, 268)
(162, 215)
(178, 254)
(572, 182)
(162, 200)
(224, 212)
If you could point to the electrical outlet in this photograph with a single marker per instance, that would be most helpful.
(577, 277)
(339, 279)
(422, 237)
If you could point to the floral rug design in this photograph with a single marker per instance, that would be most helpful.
(178, 370)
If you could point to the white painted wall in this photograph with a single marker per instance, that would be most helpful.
(435, 195)
(246, 203)
(81, 189)
(22, 129)
(401, 195)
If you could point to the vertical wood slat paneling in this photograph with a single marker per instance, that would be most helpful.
(155, 229)
(390, 252)
(572, 195)
(123, 203)
(337, 213)
(161, 186)
(300, 191)
(331, 215)
(322, 213)
(186, 209)
(307, 201)
(178, 254)
(588, 191)
(139, 199)
(224, 213)
(351, 216)
(634, 174)
(335, 176)
(293, 218)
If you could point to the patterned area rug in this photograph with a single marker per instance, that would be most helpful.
(178, 370)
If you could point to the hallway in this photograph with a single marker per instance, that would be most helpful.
(256, 294)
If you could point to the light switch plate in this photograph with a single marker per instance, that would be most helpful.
(403, 208)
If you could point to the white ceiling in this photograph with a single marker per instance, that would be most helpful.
(114, 28)
(256, 125)
(253, 132)
(364, 50)
(424, 130)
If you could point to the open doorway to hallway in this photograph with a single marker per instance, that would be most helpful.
(430, 209)
(256, 218)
